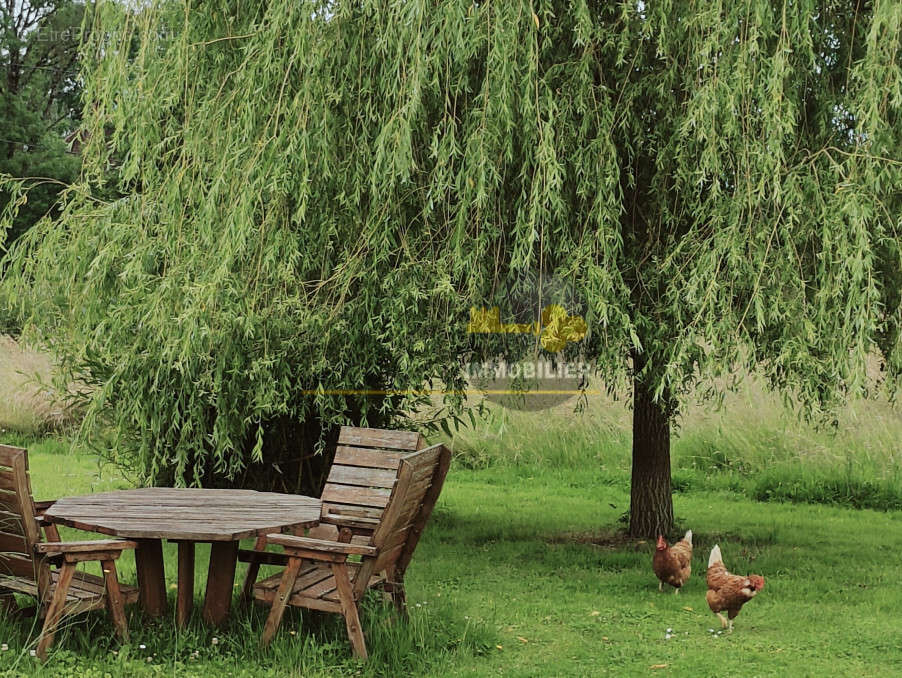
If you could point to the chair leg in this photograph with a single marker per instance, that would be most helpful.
(55, 610)
(399, 598)
(349, 609)
(51, 532)
(114, 599)
(396, 590)
(289, 576)
(9, 605)
(247, 590)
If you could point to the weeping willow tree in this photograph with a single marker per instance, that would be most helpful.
(318, 190)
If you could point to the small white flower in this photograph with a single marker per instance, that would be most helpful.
(215, 640)
(418, 605)
(668, 637)
(149, 659)
(669, 630)
(4, 647)
(710, 630)
(142, 646)
(33, 653)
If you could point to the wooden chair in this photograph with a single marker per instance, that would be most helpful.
(26, 559)
(362, 476)
(360, 481)
(319, 576)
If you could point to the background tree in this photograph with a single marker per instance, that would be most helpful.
(319, 190)
(39, 100)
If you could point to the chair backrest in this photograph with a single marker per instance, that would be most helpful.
(365, 468)
(19, 530)
(420, 479)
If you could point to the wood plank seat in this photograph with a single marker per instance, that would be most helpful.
(26, 559)
(360, 481)
(86, 591)
(315, 588)
(318, 574)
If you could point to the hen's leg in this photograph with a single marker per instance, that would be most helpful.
(660, 586)
(723, 620)
(676, 591)
(731, 627)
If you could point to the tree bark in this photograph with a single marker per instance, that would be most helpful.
(651, 502)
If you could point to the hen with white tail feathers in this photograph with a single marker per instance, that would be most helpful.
(673, 564)
(729, 592)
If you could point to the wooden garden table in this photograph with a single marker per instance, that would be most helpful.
(186, 516)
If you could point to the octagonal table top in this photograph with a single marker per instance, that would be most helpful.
(188, 514)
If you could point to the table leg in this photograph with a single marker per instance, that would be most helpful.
(185, 598)
(220, 580)
(151, 580)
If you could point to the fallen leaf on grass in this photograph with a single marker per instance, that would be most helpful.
(658, 666)
(500, 647)
(594, 613)
(688, 609)
(522, 639)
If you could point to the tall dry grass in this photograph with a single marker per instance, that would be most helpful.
(752, 444)
(27, 403)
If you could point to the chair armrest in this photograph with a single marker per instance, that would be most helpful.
(77, 551)
(327, 548)
(83, 546)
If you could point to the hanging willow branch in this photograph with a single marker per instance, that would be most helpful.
(316, 192)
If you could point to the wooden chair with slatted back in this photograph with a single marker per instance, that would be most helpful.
(319, 576)
(360, 481)
(26, 559)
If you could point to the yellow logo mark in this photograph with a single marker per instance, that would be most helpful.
(555, 329)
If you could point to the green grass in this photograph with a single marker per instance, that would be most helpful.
(522, 573)
(753, 446)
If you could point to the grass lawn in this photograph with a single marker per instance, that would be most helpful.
(521, 573)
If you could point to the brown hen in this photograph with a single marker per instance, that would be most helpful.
(673, 564)
(729, 591)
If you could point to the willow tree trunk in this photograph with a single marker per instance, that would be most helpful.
(651, 502)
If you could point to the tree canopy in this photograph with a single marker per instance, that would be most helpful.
(317, 191)
(39, 100)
